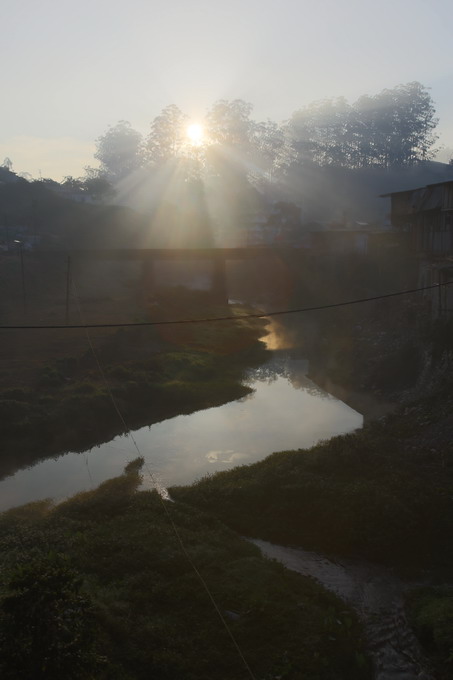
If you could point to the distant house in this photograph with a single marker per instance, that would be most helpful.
(426, 214)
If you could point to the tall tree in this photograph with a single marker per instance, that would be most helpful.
(272, 152)
(119, 151)
(394, 128)
(168, 136)
(414, 123)
(231, 138)
(228, 124)
(362, 134)
(318, 132)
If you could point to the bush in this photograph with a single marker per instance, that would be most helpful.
(13, 411)
(51, 377)
(17, 394)
(46, 623)
(431, 614)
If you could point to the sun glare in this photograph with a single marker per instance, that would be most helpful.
(195, 134)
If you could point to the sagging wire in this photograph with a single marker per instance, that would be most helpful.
(162, 492)
(240, 317)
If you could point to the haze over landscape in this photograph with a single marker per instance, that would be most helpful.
(226, 333)
(72, 69)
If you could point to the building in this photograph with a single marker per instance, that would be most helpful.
(426, 214)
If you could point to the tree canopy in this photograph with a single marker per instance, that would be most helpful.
(119, 151)
(392, 129)
(167, 135)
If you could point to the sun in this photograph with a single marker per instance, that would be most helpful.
(195, 134)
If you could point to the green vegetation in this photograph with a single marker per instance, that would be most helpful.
(151, 375)
(47, 626)
(384, 493)
(431, 614)
(107, 593)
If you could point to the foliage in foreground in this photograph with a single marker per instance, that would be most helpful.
(431, 614)
(110, 560)
(47, 625)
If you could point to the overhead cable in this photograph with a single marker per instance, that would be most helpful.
(162, 493)
(240, 317)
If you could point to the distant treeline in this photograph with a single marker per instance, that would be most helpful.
(331, 158)
(393, 129)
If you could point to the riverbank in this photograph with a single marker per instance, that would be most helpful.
(98, 587)
(67, 403)
(382, 493)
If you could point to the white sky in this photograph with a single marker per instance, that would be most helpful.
(70, 69)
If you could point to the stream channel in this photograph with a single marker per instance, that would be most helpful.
(285, 411)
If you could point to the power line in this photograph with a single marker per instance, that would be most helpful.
(161, 491)
(261, 315)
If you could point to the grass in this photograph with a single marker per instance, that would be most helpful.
(431, 615)
(112, 558)
(67, 405)
(384, 493)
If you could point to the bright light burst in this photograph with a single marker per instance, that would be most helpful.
(195, 134)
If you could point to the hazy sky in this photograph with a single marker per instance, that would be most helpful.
(71, 69)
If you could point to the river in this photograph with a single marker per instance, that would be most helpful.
(285, 411)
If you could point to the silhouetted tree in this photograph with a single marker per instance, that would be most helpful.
(8, 164)
(168, 136)
(394, 128)
(228, 124)
(119, 151)
(272, 153)
(318, 132)
(231, 139)
(71, 183)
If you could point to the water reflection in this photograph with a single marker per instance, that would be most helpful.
(286, 411)
(283, 364)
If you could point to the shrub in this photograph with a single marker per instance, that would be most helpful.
(13, 411)
(431, 614)
(46, 623)
(50, 377)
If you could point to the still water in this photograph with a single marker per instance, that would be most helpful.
(285, 411)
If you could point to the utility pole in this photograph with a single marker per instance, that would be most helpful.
(22, 271)
(68, 287)
(5, 222)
